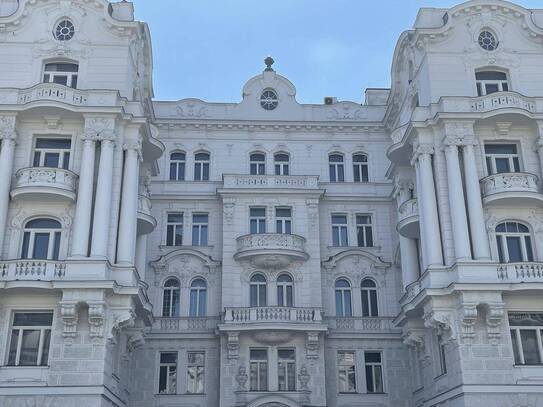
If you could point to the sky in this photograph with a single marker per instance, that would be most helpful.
(208, 49)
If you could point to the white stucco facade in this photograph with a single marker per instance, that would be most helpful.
(269, 253)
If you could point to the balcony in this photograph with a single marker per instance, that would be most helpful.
(408, 219)
(146, 221)
(361, 324)
(511, 189)
(44, 184)
(270, 181)
(520, 272)
(277, 318)
(32, 270)
(271, 250)
(185, 324)
(59, 93)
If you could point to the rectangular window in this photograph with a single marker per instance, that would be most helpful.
(257, 220)
(199, 229)
(501, 158)
(364, 231)
(339, 230)
(30, 339)
(167, 381)
(174, 229)
(195, 372)
(526, 333)
(61, 74)
(259, 369)
(360, 168)
(286, 369)
(490, 82)
(442, 356)
(346, 372)
(52, 153)
(374, 372)
(283, 220)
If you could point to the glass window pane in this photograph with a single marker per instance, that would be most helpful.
(378, 379)
(491, 88)
(529, 346)
(529, 252)
(369, 237)
(13, 347)
(56, 246)
(33, 319)
(51, 160)
(502, 165)
(46, 345)
(26, 242)
(29, 348)
(365, 304)
(500, 249)
(339, 303)
(340, 173)
(514, 249)
(500, 149)
(369, 379)
(373, 302)
(43, 224)
(41, 246)
(348, 308)
(516, 350)
(202, 303)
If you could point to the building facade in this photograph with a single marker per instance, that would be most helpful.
(269, 253)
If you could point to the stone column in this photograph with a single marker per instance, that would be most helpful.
(141, 254)
(7, 153)
(459, 218)
(83, 211)
(408, 247)
(479, 235)
(431, 236)
(539, 147)
(102, 205)
(129, 205)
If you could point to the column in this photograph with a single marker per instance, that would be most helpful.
(141, 254)
(6, 169)
(479, 235)
(408, 247)
(422, 223)
(459, 218)
(102, 205)
(430, 218)
(129, 205)
(82, 219)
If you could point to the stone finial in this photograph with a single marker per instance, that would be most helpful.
(269, 62)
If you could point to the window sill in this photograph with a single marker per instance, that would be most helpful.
(23, 376)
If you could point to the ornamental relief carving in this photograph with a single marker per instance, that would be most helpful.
(185, 267)
(271, 274)
(356, 267)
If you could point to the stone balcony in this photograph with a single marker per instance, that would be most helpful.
(279, 318)
(520, 272)
(408, 219)
(511, 189)
(146, 221)
(271, 250)
(270, 181)
(44, 184)
(59, 93)
(360, 324)
(487, 103)
(32, 270)
(185, 324)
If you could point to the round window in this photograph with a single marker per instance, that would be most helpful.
(488, 41)
(268, 99)
(65, 30)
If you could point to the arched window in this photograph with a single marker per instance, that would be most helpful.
(201, 166)
(62, 73)
(491, 82)
(177, 166)
(198, 298)
(170, 298)
(514, 242)
(343, 298)
(369, 298)
(337, 169)
(258, 291)
(282, 163)
(41, 239)
(258, 164)
(360, 167)
(285, 295)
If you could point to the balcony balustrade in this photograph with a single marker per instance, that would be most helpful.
(520, 272)
(32, 270)
(511, 189)
(408, 219)
(43, 184)
(270, 181)
(186, 324)
(360, 324)
(271, 250)
(272, 315)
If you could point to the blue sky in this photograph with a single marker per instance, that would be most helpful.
(209, 48)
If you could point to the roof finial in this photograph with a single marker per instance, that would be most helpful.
(269, 62)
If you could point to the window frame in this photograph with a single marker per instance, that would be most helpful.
(28, 240)
(370, 303)
(373, 366)
(364, 231)
(39, 154)
(202, 167)
(283, 224)
(257, 223)
(173, 307)
(48, 76)
(343, 291)
(336, 169)
(202, 239)
(281, 168)
(173, 227)
(257, 166)
(524, 238)
(258, 363)
(340, 231)
(200, 369)
(514, 161)
(20, 335)
(348, 369)
(481, 84)
(516, 339)
(261, 290)
(201, 298)
(287, 366)
(178, 167)
(361, 169)
(283, 291)
(168, 368)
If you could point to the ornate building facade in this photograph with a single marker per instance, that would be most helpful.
(269, 253)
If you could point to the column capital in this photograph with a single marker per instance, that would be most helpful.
(421, 150)
(134, 145)
(7, 128)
